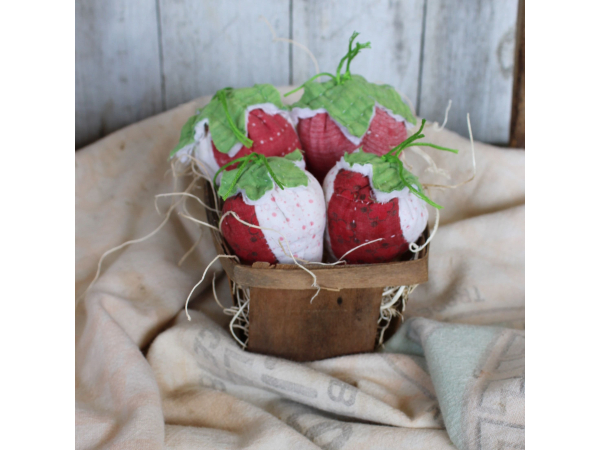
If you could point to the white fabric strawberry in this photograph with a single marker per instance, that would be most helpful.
(279, 196)
(371, 197)
(235, 123)
(348, 112)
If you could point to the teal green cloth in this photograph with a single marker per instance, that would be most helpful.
(479, 377)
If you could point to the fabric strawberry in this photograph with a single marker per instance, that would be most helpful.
(348, 112)
(371, 197)
(278, 195)
(235, 123)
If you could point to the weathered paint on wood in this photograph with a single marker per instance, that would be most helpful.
(468, 57)
(209, 45)
(117, 71)
(136, 58)
(393, 28)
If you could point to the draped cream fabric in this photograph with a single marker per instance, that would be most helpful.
(148, 378)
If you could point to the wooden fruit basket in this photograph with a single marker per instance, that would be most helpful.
(341, 320)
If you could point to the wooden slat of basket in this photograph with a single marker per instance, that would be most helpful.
(332, 277)
(284, 323)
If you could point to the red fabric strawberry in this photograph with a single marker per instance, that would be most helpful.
(355, 217)
(325, 143)
(346, 113)
(374, 199)
(279, 196)
(247, 242)
(271, 134)
(235, 123)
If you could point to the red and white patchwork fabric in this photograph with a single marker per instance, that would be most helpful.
(357, 213)
(273, 135)
(297, 213)
(325, 141)
(270, 128)
(248, 243)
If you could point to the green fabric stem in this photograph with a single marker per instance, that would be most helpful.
(410, 142)
(256, 174)
(419, 193)
(311, 79)
(350, 99)
(437, 147)
(339, 79)
(350, 56)
(246, 142)
(389, 173)
(399, 148)
(352, 103)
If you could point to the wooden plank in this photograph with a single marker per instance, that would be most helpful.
(468, 58)
(209, 45)
(330, 277)
(335, 277)
(117, 69)
(393, 28)
(517, 122)
(286, 324)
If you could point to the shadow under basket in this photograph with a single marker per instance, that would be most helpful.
(344, 318)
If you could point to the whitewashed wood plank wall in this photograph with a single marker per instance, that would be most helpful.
(117, 69)
(136, 58)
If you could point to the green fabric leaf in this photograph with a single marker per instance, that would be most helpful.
(256, 181)
(238, 100)
(187, 134)
(296, 155)
(385, 174)
(351, 102)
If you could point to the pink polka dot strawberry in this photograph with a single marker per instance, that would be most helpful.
(371, 197)
(279, 196)
(235, 123)
(348, 112)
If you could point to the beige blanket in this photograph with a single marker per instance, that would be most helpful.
(147, 378)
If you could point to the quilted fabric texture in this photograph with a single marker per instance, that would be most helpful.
(292, 219)
(383, 134)
(354, 218)
(325, 143)
(248, 243)
(351, 103)
(237, 100)
(272, 135)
